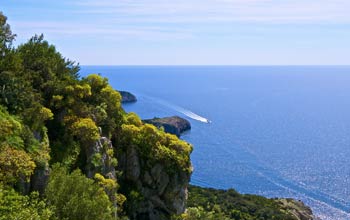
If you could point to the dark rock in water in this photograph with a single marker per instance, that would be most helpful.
(127, 97)
(174, 125)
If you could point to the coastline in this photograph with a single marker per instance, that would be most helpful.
(295, 207)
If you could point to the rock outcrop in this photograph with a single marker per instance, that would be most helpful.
(41, 173)
(297, 208)
(160, 192)
(99, 159)
(39, 179)
(174, 125)
(127, 97)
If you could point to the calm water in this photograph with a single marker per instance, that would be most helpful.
(275, 131)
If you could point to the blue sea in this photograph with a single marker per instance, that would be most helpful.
(276, 131)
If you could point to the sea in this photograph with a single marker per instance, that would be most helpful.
(275, 131)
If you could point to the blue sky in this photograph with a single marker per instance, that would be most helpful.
(188, 32)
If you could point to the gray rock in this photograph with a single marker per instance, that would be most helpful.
(147, 178)
(174, 125)
(164, 193)
(160, 178)
(127, 97)
(105, 165)
(133, 169)
(297, 208)
(39, 179)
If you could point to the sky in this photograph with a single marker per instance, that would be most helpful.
(188, 32)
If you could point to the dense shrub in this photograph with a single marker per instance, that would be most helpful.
(75, 196)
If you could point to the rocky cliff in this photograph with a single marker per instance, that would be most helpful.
(100, 159)
(174, 125)
(156, 170)
(157, 192)
(127, 97)
(230, 204)
(296, 208)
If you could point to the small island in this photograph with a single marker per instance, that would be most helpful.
(174, 125)
(127, 97)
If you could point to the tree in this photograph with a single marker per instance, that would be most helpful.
(8, 59)
(85, 130)
(108, 101)
(75, 196)
(45, 68)
(10, 130)
(15, 162)
(14, 206)
(14, 165)
(6, 36)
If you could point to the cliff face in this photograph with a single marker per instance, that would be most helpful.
(127, 97)
(297, 209)
(230, 204)
(174, 125)
(100, 159)
(161, 192)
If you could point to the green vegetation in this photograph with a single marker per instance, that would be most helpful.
(60, 135)
(16, 206)
(207, 204)
(50, 115)
(75, 196)
(156, 145)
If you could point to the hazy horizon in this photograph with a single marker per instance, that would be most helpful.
(219, 65)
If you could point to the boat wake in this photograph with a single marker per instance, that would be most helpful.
(179, 109)
(321, 202)
(191, 114)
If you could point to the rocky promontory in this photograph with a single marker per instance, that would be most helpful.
(296, 208)
(127, 97)
(174, 125)
(235, 205)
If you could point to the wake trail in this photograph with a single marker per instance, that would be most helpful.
(179, 109)
(311, 194)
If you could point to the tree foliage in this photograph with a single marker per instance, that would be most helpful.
(48, 115)
(10, 130)
(75, 196)
(156, 145)
(198, 213)
(6, 36)
(15, 165)
(17, 150)
(85, 129)
(232, 205)
(14, 206)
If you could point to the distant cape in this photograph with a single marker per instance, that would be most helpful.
(127, 97)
